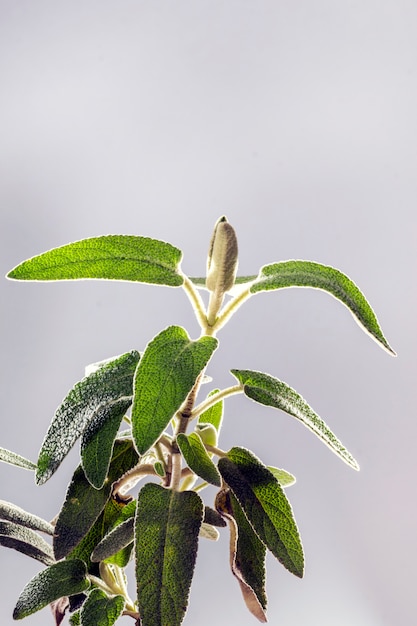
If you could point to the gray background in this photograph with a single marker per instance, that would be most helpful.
(298, 121)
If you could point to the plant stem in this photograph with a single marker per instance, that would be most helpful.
(230, 308)
(196, 301)
(212, 400)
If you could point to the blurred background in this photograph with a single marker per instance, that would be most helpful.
(298, 121)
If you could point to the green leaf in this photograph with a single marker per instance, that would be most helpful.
(87, 398)
(13, 513)
(100, 610)
(97, 440)
(214, 414)
(165, 375)
(310, 274)
(61, 579)
(117, 539)
(270, 391)
(83, 503)
(26, 541)
(265, 505)
(197, 458)
(15, 459)
(166, 530)
(114, 257)
(284, 478)
(213, 518)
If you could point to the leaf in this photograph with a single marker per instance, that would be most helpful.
(57, 581)
(270, 391)
(247, 555)
(59, 608)
(15, 459)
(97, 440)
(165, 375)
(207, 531)
(117, 539)
(114, 257)
(297, 273)
(197, 458)
(284, 478)
(100, 610)
(25, 540)
(13, 513)
(214, 414)
(166, 530)
(83, 503)
(213, 518)
(265, 505)
(86, 398)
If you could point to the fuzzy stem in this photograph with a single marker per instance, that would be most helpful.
(196, 301)
(212, 400)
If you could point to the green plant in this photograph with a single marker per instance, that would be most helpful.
(101, 527)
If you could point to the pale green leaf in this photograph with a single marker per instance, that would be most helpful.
(214, 414)
(114, 257)
(25, 540)
(197, 458)
(101, 610)
(284, 478)
(270, 391)
(207, 531)
(13, 513)
(165, 375)
(15, 459)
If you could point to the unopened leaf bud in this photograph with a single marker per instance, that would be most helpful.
(222, 258)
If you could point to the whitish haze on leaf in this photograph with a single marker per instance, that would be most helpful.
(270, 391)
(197, 458)
(13, 513)
(310, 274)
(86, 398)
(114, 541)
(15, 459)
(25, 540)
(100, 610)
(114, 257)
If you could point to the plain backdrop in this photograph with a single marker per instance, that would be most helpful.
(298, 121)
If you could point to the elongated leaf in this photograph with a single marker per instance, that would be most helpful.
(309, 274)
(98, 438)
(100, 610)
(213, 415)
(270, 391)
(88, 397)
(265, 505)
(83, 503)
(13, 513)
(65, 578)
(165, 375)
(197, 458)
(166, 530)
(114, 257)
(25, 540)
(284, 478)
(117, 539)
(15, 459)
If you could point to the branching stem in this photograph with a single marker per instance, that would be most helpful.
(212, 400)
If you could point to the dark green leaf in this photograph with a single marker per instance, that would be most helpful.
(309, 274)
(100, 610)
(88, 397)
(166, 530)
(114, 257)
(197, 458)
(265, 505)
(26, 541)
(270, 391)
(117, 539)
(60, 579)
(13, 513)
(213, 415)
(212, 517)
(165, 375)
(97, 440)
(75, 619)
(83, 503)
(15, 459)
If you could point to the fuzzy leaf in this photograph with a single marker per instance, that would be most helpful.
(25, 540)
(15, 459)
(213, 415)
(309, 274)
(265, 505)
(284, 478)
(207, 531)
(165, 375)
(213, 518)
(270, 391)
(114, 257)
(117, 539)
(166, 530)
(61, 579)
(13, 513)
(81, 405)
(100, 610)
(197, 458)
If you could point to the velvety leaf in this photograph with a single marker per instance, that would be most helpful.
(98, 438)
(213, 518)
(15, 459)
(57, 581)
(83, 503)
(284, 478)
(214, 414)
(165, 375)
(13, 513)
(117, 539)
(100, 610)
(166, 530)
(309, 274)
(270, 391)
(25, 540)
(197, 458)
(207, 531)
(265, 505)
(86, 398)
(114, 257)
(75, 619)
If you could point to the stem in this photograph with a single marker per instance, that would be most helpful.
(131, 477)
(231, 308)
(215, 450)
(196, 301)
(212, 400)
